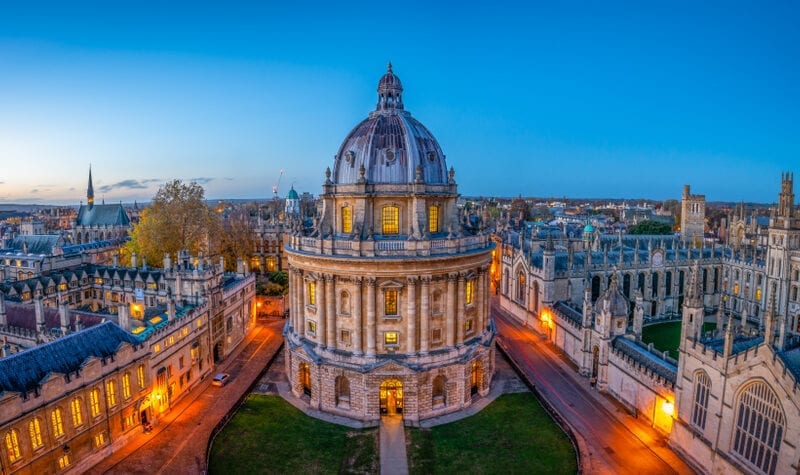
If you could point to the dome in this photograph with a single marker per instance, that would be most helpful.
(390, 144)
(588, 229)
(292, 195)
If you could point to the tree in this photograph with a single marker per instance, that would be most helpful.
(237, 238)
(650, 227)
(177, 219)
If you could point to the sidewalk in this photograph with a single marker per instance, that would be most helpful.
(178, 444)
(393, 446)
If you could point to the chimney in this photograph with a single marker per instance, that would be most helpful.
(133, 260)
(6, 349)
(167, 262)
(221, 264)
(63, 313)
(78, 323)
(144, 263)
(116, 261)
(39, 309)
(171, 309)
(123, 317)
(240, 270)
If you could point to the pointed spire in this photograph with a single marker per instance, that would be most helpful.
(729, 335)
(90, 190)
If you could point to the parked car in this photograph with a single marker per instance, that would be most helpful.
(221, 379)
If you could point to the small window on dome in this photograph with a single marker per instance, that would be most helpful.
(431, 156)
(389, 156)
(350, 157)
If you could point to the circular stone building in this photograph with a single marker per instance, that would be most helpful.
(389, 289)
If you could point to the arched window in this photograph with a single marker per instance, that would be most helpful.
(57, 422)
(35, 429)
(76, 409)
(759, 427)
(390, 220)
(342, 392)
(668, 283)
(12, 445)
(476, 377)
(654, 286)
(702, 388)
(640, 284)
(433, 218)
(126, 386)
(94, 402)
(347, 219)
(535, 299)
(271, 263)
(304, 374)
(439, 391)
(521, 287)
(595, 288)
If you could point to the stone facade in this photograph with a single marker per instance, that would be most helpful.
(389, 289)
(693, 216)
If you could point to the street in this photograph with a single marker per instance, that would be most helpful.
(612, 440)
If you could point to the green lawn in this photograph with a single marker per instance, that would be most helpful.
(513, 434)
(268, 435)
(667, 336)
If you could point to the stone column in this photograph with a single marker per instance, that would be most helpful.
(357, 316)
(330, 310)
(293, 293)
(460, 310)
(321, 317)
(301, 303)
(370, 316)
(451, 309)
(412, 314)
(425, 314)
(479, 297)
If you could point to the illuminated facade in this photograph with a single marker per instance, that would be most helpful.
(389, 289)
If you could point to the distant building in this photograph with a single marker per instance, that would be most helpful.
(693, 216)
(100, 222)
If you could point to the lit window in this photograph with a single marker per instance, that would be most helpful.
(758, 293)
(391, 220)
(390, 302)
(111, 393)
(344, 336)
(156, 348)
(433, 219)
(100, 439)
(271, 263)
(736, 289)
(468, 326)
(347, 219)
(128, 421)
(12, 445)
(390, 338)
(58, 423)
(312, 293)
(94, 402)
(126, 386)
(140, 376)
(35, 428)
(470, 291)
(312, 327)
(63, 461)
(77, 412)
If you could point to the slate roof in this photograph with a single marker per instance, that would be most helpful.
(741, 343)
(102, 215)
(568, 312)
(791, 358)
(36, 243)
(23, 372)
(24, 316)
(644, 357)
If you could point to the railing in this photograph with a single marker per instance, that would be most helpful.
(401, 247)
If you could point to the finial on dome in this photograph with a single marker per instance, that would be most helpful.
(389, 67)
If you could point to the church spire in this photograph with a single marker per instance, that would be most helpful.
(90, 190)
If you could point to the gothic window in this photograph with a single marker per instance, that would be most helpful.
(705, 278)
(433, 218)
(76, 409)
(390, 303)
(390, 222)
(126, 386)
(57, 422)
(12, 445)
(347, 219)
(140, 376)
(94, 402)
(654, 286)
(111, 393)
(342, 392)
(271, 263)
(595, 288)
(702, 388)
(759, 427)
(438, 392)
(640, 284)
(668, 283)
(521, 287)
(535, 301)
(35, 429)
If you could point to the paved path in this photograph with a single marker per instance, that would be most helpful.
(393, 446)
(610, 439)
(178, 444)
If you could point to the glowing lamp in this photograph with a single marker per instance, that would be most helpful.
(668, 407)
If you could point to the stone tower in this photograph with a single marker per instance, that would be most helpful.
(693, 216)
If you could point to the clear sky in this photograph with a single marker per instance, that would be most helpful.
(585, 99)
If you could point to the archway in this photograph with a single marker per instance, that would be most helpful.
(476, 377)
(595, 364)
(304, 374)
(218, 352)
(391, 396)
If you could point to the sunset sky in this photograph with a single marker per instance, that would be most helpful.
(586, 99)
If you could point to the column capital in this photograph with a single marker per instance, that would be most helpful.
(426, 279)
(370, 281)
(412, 279)
(328, 277)
(452, 276)
(357, 279)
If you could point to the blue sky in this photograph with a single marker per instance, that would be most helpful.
(584, 99)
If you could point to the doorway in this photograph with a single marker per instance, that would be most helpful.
(391, 395)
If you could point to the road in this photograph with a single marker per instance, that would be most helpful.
(611, 440)
(178, 444)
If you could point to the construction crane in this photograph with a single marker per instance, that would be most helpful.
(276, 185)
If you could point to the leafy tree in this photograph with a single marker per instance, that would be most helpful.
(237, 237)
(178, 218)
(650, 227)
(279, 277)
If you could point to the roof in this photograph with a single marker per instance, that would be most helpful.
(36, 243)
(292, 195)
(644, 357)
(24, 371)
(24, 316)
(102, 215)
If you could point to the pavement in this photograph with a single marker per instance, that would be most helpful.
(609, 438)
(393, 446)
(177, 445)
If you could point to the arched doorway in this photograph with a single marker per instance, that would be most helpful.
(218, 352)
(304, 374)
(595, 364)
(391, 395)
(475, 377)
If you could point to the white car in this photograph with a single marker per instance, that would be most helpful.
(221, 379)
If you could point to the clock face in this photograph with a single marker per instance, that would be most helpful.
(658, 259)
